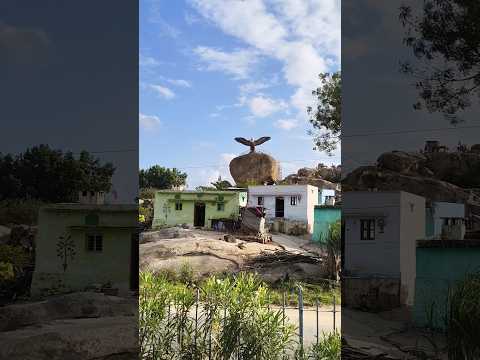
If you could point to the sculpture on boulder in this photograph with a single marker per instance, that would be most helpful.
(254, 168)
(252, 143)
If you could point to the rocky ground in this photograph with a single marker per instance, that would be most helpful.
(209, 252)
(75, 326)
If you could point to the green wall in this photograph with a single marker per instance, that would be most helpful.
(165, 214)
(115, 223)
(437, 270)
(323, 217)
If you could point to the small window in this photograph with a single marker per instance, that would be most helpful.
(293, 200)
(92, 193)
(84, 193)
(260, 201)
(367, 229)
(178, 206)
(95, 243)
(220, 206)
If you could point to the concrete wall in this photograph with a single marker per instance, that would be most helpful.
(232, 202)
(324, 216)
(392, 252)
(302, 211)
(86, 268)
(412, 228)
(379, 256)
(438, 269)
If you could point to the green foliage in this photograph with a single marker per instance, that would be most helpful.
(50, 175)
(463, 319)
(325, 117)
(234, 320)
(328, 348)
(332, 239)
(161, 178)
(147, 193)
(6, 271)
(221, 184)
(15, 255)
(445, 40)
(18, 211)
(13, 261)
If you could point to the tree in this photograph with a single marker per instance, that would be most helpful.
(445, 40)
(326, 116)
(159, 177)
(49, 175)
(221, 184)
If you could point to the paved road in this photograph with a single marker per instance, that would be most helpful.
(325, 321)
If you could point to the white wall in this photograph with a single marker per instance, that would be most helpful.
(302, 211)
(392, 253)
(412, 228)
(371, 257)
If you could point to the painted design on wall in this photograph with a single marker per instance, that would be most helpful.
(66, 250)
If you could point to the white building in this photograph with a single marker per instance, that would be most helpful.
(381, 230)
(292, 202)
(326, 197)
(441, 215)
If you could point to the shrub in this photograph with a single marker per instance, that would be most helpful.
(463, 319)
(233, 320)
(19, 211)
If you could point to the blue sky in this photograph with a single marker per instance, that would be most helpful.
(211, 70)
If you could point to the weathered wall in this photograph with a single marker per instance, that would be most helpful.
(86, 268)
(412, 228)
(371, 294)
(437, 270)
(324, 216)
(232, 202)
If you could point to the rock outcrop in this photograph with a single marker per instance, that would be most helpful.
(316, 177)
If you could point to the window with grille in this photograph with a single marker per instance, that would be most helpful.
(260, 201)
(293, 200)
(367, 229)
(220, 207)
(178, 206)
(94, 243)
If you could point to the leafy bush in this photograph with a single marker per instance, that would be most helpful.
(463, 319)
(19, 211)
(233, 320)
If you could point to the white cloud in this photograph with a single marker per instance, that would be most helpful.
(149, 122)
(163, 91)
(304, 35)
(252, 87)
(286, 124)
(262, 106)
(148, 61)
(236, 63)
(180, 82)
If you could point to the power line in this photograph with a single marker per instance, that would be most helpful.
(396, 132)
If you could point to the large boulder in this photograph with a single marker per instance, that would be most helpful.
(254, 168)
(370, 177)
(404, 163)
(70, 306)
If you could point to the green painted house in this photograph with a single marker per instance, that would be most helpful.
(324, 215)
(81, 245)
(196, 208)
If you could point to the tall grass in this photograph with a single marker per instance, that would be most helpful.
(463, 319)
(234, 320)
